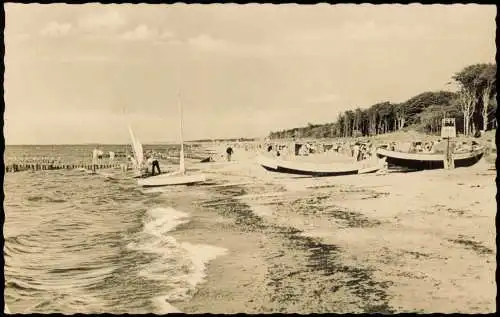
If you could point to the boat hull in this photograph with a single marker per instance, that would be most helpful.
(419, 161)
(171, 180)
(316, 170)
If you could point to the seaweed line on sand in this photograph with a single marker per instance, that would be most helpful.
(321, 274)
(472, 245)
(313, 205)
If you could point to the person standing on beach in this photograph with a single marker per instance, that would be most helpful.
(100, 153)
(123, 167)
(134, 162)
(229, 152)
(95, 154)
(355, 151)
(154, 164)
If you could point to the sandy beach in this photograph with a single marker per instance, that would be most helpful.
(253, 241)
(399, 242)
(251, 158)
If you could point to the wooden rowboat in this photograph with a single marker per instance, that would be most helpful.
(318, 169)
(421, 161)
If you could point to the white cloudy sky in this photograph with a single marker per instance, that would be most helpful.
(81, 73)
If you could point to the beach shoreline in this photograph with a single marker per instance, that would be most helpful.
(406, 229)
(391, 242)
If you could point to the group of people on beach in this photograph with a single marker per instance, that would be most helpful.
(362, 151)
(415, 147)
(97, 156)
(151, 163)
(358, 150)
(430, 146)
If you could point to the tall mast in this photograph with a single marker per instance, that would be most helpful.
(181, 155)
(126, 151)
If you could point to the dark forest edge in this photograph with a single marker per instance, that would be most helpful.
(473, 106)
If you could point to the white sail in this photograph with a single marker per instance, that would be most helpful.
(136, 147)
(178, 177)
(140, 153)
(182, 168)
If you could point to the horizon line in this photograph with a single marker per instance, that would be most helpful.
(128, 143)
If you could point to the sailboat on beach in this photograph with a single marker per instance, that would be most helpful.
(179, 177)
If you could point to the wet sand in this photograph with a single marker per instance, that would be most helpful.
(400, 242)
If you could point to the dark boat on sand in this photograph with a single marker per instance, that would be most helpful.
(423, 161)
(318, 169)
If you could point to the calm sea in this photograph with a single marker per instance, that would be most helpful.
(84, 243)
(73, 154)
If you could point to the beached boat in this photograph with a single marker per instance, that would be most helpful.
(318, 169)
(170, 179)
(421, 161)
(179, 177)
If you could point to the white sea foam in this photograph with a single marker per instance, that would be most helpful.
(200, 255)
(164, 307)
(180, 266)
(162, 220)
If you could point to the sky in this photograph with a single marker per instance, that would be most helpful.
(82, 73)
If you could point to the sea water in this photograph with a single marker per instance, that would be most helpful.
(81, 243)
(76, 242)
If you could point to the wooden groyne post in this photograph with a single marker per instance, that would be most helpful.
(48, 165)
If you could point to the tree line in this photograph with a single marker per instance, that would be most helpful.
(473, 106)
